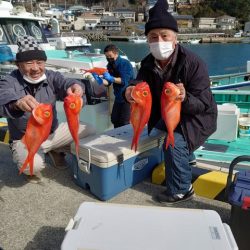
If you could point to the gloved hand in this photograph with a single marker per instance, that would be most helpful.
(108, 77)
(97, 78)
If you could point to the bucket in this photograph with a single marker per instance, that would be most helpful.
(244, 127)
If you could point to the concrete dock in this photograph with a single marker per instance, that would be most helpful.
(34, 216)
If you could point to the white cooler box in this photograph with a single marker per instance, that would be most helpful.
(107, 165)
(227, 122)
(105, 226)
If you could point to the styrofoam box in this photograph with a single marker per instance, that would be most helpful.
(106, 226)
(107, 165)
(227, 122)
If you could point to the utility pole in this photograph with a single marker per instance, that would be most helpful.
(31, 6)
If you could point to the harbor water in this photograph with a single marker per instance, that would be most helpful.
(220, 58)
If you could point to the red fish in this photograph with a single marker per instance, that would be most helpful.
(140, 110)
(170, 109)
(98, 71)
(37, 131)
(72, 106)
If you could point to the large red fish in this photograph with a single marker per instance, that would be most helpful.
(140, 110)
(170, 109)
(37, 131)
(98, 71)
(72, 106)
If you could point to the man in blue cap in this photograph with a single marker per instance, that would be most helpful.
(169, 61)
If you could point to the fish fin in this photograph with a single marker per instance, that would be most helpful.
(36, 114)
(24, 166)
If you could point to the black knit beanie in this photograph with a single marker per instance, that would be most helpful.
(159, 17)
(29, 49)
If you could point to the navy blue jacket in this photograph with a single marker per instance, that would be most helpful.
(14, 87)
(199, 110)
(123, 69)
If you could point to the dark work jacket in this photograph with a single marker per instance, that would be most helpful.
(199, 110)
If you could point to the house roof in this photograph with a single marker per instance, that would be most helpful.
(123, 10)
(178, 17)
(110, 18)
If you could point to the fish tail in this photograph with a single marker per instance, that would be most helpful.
(31, 163)
(170, 140)
(24, 166)
(135, 142)
(77, 148)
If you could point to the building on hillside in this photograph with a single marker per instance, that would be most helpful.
(196, 1)
(109, 24)
(205, 23)
(98, 9)
(226, 22)
(247, 28)
(127, 15)
(184, 21)
(91, 20)
(79, 23)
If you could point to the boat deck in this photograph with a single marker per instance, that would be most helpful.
(223, 151)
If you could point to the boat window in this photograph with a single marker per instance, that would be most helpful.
(35, 30)
(3, 38)
(15, 29)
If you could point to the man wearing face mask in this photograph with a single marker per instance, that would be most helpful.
(169, 61)
(120, 72)
(22, 91)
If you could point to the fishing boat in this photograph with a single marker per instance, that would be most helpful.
(194, 41)
(137, 39)
(70, 41)
(233, 128)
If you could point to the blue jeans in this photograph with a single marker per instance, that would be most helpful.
(177, 169)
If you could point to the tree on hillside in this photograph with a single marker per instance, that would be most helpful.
(236, 8)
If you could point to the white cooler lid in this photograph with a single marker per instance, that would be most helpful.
(106, 147)
(105, 226)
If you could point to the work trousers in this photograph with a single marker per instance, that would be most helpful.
(120, 114)
(177, 168)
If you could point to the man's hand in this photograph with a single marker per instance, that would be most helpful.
(128, 94)
(108, 77)
(182, 94)
(97, 78)
(26, 103)
(75, 89)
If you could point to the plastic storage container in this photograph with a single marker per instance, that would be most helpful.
(106, 226)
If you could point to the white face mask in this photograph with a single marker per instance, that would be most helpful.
(32, 81)
(161, 50)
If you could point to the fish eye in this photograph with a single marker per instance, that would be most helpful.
(72, 105)
(167, 91)
(47, 114)
(145, 93)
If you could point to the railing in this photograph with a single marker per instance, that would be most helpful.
(239, 97)
(219, 80)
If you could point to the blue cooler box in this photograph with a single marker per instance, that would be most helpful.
(107, 165)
